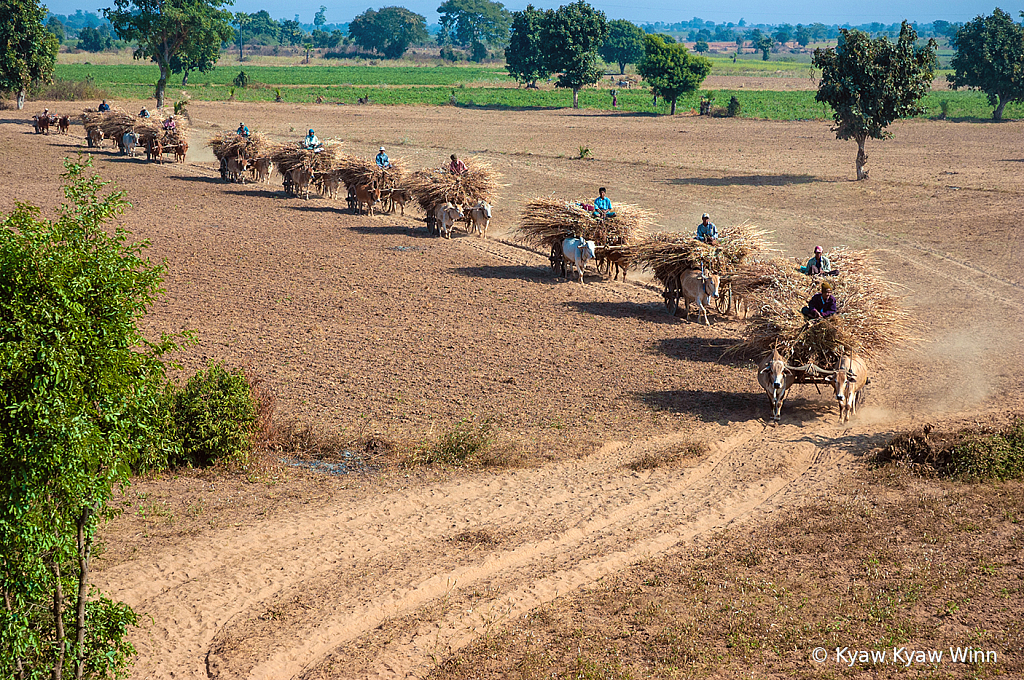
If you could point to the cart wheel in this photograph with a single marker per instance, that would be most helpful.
(388, 204)
(556, 258)
(724, 300)
(674, 302)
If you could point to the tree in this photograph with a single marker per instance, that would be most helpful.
(570, 38)
(473, 24)
(94, 40)
(783, 35)
(262, 26)
(201, 51)
(764, 43)
(871, 83)
(54, 25)
(701, 47)
(79, 389)
(389, 31)
(242, 20)
(990, 57)
(28, 51)
(165, 28)
(524, 58)
(625, 44)
(802, 36)
(320, 18)
(671, 70)
(291, 32)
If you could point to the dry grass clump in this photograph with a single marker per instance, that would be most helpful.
(231, 145)
(547, 222)
(434, 187)
(651, 460)
(668, 255)
(871, 320)
(355, 171)
(287, 157)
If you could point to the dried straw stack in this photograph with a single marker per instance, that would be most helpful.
(871, 319)
(173, 137)
(354, 171)
(287, 157)
(435, 187)
(547, 221)
(231, 145)
(668, 255)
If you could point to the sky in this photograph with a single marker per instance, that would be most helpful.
(649, 11)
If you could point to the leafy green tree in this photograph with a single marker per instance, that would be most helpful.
(570, 38)
(524, 58)
(263, 28)
(802, 35)
(474, 24)
(389, 31)
(54, 25)
(671, 70)
(200, 55)
(871, 83)
(701, 47)
(79, 391)
(291, 33)
(783, 35)
(320, 18)
(242, 21)
(165, 28)
(764, 43)
(625, 44)
(28, 51)
(990, 57)
(94, 40)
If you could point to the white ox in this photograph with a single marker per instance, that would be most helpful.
(446, 216)
(774, 375)
(128, 143)
(699, 288)
(480, 217)
(851, 375)
(577, 252)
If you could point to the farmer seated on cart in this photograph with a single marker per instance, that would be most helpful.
(707, 231)
(603, 205)
(311, 141)
(242, 130)
(818, 265)
(382, 159)
(456, 167)
(104, 106)
(144, 113)
(169, 123)
(822, 305)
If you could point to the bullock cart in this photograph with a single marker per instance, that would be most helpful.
(288, 158)
(352, 172)
(435, 188)
(246, 149)
(670, 255)
(547, 222)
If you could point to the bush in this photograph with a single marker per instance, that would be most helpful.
(242, 79)
(214, 417)
(70, 91)
(966, 455)
(733, 109)
(449, 54)
(458, 446)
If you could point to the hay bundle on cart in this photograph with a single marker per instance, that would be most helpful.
(546, 222)
(91, 120)
(287, 157)
(116, 122)
(354, 171)
(668, 255)
(232, 145)
(871, 320)
(438, 186)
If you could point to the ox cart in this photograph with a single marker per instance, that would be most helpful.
(673, 293)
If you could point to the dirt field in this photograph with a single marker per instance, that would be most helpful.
(365, 324)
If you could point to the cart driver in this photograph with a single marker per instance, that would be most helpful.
(311, 141)
(707, 231)
(382, 159)
(822, 305)
(602, 204)
(819, 264)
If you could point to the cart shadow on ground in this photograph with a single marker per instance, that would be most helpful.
(707, 350)
(725, 408)
(536, 274)
(745, 180)
(648, 311)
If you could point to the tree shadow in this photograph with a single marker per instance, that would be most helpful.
(708, 350)
(745, 180)
(648, 311)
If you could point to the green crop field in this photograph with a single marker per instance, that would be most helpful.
(483, 87)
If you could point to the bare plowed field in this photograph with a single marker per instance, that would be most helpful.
(366, 324)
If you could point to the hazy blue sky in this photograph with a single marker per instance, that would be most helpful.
(669, 11)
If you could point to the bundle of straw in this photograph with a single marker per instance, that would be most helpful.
(231, 145)
(547, 221)
(871, 320)
(354, 171)
(435, 187)
(91, 120)
(178, 134)
(669, 255)
(287, 157)
(116, 122)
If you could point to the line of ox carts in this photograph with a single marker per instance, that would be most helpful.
(740, 270)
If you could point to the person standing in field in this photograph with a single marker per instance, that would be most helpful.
(456, 167)
(615, 99)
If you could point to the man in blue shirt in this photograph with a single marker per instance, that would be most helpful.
(242, 130)
(602, 205)
(104, 106)
(706, 230)
(311, 141)
(382, 159)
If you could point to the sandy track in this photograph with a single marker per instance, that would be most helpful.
(351, 568)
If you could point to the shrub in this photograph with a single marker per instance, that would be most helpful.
(214, 417)
(449, 54)
(733, 109)
(584, 152)
(241, 80)
(70, 91)
(967, 454)
(458, 446)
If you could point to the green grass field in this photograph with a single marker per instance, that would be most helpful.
(479, 87)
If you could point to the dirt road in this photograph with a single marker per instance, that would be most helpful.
(366, 323)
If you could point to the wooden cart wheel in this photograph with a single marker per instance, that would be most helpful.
(556, 257)
(672, 293)
(724, 300)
